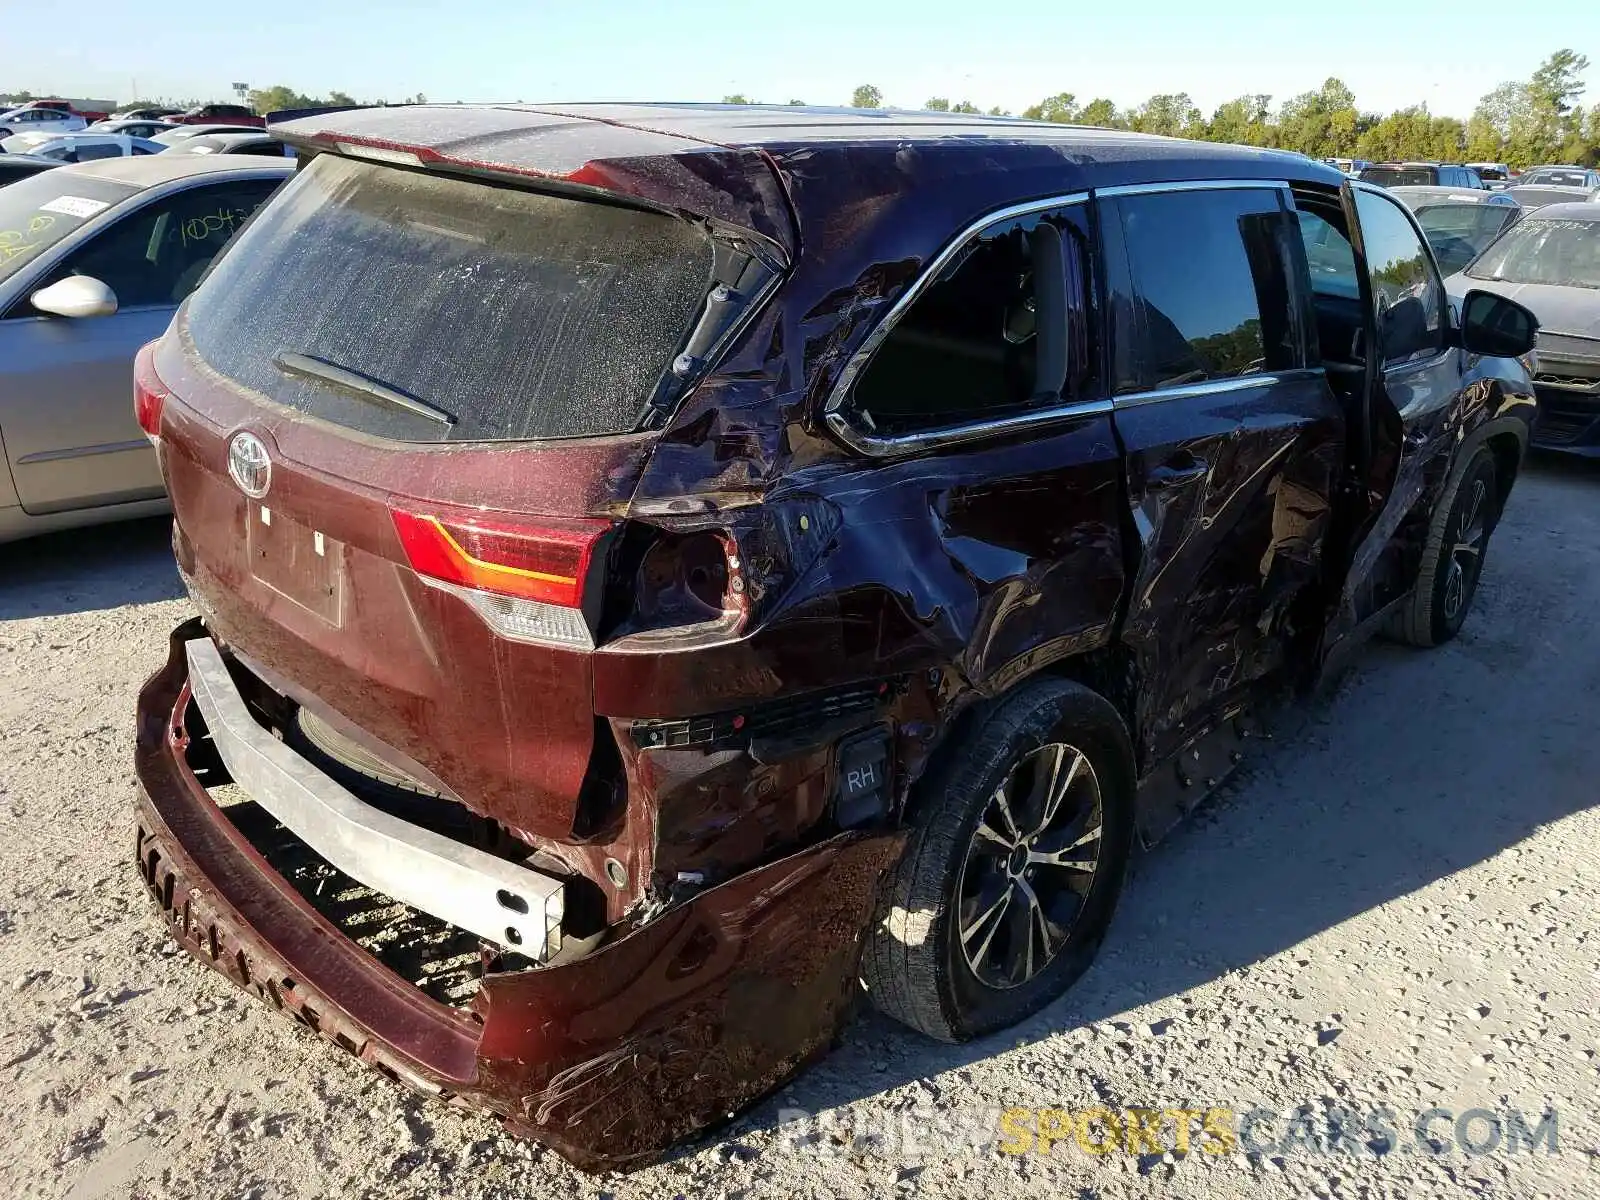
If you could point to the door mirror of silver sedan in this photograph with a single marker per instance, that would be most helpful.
(76, 296)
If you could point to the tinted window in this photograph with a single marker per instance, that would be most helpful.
(968, 347)
(519, 314)
(1400, 176)
(156, 254)
(1209, 295)
(1405, 285)
(95, 150)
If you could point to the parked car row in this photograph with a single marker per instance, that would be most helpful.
(112, 140)
(61, 116)
(1570, 182)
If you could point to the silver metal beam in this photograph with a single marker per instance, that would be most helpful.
(499, 901)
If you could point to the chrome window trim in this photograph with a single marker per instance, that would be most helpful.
(1193, 185)
(834, 411)
(1213, 387)
(947, 435)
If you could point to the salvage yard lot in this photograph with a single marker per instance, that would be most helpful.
(1393, 906)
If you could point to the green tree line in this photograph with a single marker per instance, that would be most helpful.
(263, 100)
(1539, 120)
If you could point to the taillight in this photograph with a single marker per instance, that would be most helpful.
(526, 580)
(149, 393)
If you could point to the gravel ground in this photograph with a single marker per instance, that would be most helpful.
(1394, 907)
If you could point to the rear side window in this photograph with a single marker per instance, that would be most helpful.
(509, 314)
(1204, 293)
(969, 347)
(156, 255)
(93, 151)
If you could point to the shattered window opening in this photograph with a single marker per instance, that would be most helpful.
(968, 348)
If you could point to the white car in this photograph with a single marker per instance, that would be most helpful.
(138, 129)
(79, 147)
(39, 120)
(178, 133)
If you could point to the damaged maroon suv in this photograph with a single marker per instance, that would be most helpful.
(664, 569)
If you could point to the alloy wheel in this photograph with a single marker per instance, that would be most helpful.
(1466, 555)
(1029, 866)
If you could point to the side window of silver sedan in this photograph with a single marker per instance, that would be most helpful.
(157, 254)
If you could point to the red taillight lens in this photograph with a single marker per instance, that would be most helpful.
(547, 562)
(149, 393)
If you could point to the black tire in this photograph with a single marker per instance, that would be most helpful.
(913, 965)
(1447, 579)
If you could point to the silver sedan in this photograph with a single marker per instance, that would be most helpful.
(94, 260)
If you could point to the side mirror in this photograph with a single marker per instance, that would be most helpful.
(76, 296)
(1497, 327)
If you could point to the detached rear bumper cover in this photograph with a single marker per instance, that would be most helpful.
(611, 1059)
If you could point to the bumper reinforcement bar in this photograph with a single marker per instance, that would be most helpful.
(499, 901)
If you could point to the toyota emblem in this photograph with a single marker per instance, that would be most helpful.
(249, 465)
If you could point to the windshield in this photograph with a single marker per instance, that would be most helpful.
(422, 308)
(1399, 176)
(37, 212)
(1553, 251)
(1556, 178)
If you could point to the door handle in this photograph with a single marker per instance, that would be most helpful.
(1181, 468)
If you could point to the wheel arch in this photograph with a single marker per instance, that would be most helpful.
(1108, 671)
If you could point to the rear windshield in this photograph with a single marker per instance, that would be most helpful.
(419, 307)
(1399, 176)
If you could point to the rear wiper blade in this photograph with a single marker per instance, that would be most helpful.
(360, 385)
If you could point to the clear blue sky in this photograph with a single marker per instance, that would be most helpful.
(1390, 52)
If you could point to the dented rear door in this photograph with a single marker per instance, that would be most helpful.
(1233, 443)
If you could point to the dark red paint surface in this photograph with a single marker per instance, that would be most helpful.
(1077, 549)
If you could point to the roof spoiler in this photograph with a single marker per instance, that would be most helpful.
(294, 114)
(566, 152)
